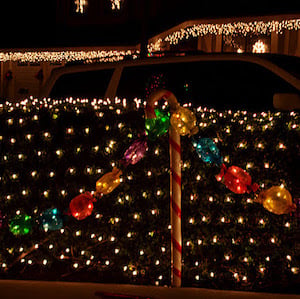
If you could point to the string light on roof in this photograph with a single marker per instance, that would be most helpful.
(226, 29)
(87, 56)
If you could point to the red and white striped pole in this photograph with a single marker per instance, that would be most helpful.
(175, 184)
(175, 207)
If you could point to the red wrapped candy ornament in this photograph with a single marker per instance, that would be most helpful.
(82, 206)
(236, 179)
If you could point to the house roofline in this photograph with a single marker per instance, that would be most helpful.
(223, 20)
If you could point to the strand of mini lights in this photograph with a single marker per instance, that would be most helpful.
(49, 103)
(67, 56)
(239, 115)
(227, 29)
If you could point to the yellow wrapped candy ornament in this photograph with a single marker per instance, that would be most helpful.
(183, 121)
(277, 200)
(108, 182)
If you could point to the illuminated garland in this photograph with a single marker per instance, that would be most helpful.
(227, 29)
(67, 56)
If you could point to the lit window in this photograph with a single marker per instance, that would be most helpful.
(81, 5)
(115, 4)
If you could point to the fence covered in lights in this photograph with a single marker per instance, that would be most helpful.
(52, 151)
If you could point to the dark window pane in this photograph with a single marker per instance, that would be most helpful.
(289, 63)
(85, 84)
(217, 84)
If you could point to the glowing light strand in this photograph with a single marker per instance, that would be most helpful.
(227, 29)
(67, 56)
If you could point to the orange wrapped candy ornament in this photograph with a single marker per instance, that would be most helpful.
(108, 182)
(277, 200)
(236, 179)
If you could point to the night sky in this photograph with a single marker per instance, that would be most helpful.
(33, 23)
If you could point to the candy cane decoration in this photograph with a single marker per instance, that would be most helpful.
(175, 183)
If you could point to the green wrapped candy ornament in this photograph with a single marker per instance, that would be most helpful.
(156, 127)
(20, 224)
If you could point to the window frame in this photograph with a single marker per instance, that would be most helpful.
(119, 67)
